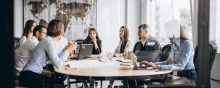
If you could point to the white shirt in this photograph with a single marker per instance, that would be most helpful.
(128, 47)
(22, 41)
(43, 52)
(61, 44)
(23, 53)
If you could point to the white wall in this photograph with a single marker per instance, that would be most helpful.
(195, 22)
(218, 25)
(213, 20)
(18, 18)
(110, 17)
(133, 18)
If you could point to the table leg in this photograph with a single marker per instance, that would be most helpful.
(101, 83)
(68, 81)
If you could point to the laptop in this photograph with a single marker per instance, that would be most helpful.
(148, 55)
(84, 51)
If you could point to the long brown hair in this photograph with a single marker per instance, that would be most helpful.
(93, 29)
(126, 34)
(27, 27)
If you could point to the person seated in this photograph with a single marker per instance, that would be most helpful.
(32, 75)
(94, 39)
(28, 32)
(23, 53)
(146, 43)
(123, 47)
(124, 44)
(182, 61)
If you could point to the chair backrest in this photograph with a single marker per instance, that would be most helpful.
(79, 41)
(16, 41)
(212, 51)
(165, 52)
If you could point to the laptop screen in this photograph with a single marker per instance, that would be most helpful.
(85, 51)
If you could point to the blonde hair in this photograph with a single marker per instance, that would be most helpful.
(183, 34)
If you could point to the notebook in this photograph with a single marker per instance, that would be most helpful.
(84, 52)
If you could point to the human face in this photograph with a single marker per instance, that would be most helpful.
(142, 33)
(42, 34)
(122, 33)
(92, 34)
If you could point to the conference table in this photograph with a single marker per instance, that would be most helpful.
(105, 68)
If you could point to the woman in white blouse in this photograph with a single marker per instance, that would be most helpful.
(123, 47)
(32, 74)
(124, 43)
(28, 32)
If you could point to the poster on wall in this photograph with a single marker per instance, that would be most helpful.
(77, 15)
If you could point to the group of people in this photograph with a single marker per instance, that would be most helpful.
(43, 44)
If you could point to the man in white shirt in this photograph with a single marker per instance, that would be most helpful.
(25, 50)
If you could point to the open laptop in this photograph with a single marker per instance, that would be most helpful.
(84, 51)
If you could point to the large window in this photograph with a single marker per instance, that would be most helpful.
(164, 16)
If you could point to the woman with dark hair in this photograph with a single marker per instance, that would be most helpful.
(124, 43)
(93, 38)
(27, 33)
(32, 74)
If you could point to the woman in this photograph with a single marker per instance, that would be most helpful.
(182, 60)
(124, 44)
(93, 38)
(32, 74)
(28, 32)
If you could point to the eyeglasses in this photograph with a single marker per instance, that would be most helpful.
(44, 32)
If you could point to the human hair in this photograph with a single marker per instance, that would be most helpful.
(126, 34)
(55, 28)
(144, 27)
(93, 29)
(27, 27)
(38, 28)
(43, 22)
(183, 34)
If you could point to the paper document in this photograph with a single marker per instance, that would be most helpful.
(89, 64)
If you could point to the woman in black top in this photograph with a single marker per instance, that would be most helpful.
(93, 38)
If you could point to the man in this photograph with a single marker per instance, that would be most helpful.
(146, 43)
(24, 51)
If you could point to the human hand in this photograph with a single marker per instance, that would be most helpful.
(71, 46)
(125, 55)
(149, 64)
(94, 41)
(172, 39)
(144, 63)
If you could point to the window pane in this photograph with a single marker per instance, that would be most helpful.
(164, 16)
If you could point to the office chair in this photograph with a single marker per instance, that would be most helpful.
(165, 52)
(212, 51)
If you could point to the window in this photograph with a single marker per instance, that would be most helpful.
(164, 16)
